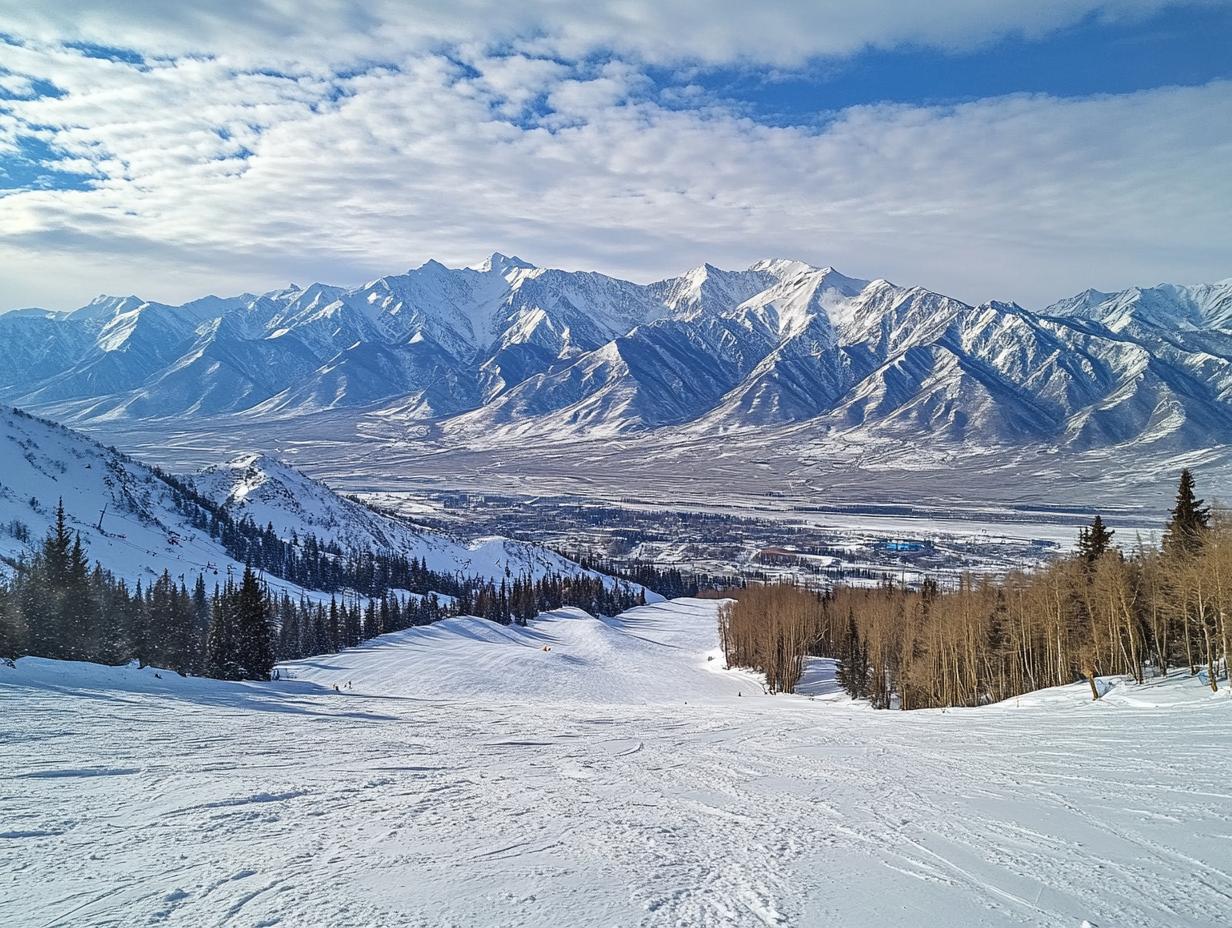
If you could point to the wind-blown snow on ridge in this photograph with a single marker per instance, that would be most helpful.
(505, 350)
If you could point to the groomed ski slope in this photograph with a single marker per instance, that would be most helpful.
(467, 777)
(655, 655)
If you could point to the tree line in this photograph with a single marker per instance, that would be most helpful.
(770, 627)
(1102, 610)
(306, 560)
(56, 605)
(669, 582)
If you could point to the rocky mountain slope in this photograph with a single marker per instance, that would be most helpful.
(507, 349)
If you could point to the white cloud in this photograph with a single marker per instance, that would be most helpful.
(515, 81)
(348, 149)
(305, 34)
(579, 99)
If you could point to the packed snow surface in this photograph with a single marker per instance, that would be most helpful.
(464, 775)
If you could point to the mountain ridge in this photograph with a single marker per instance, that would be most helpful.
(137, 521)
(504, 347)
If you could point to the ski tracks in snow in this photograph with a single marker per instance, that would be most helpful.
(215, 808)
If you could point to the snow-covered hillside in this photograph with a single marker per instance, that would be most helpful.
(506, 351)
(271, 492)
(130, 519)
(619, 778)
(646, 655)
(137, 523)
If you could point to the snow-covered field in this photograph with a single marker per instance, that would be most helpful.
(463, 775)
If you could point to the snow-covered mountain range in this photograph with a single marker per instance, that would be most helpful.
(138, 522)
(507, 348)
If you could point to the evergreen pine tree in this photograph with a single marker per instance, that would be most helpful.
(31, 597)
(44, 603)
(254, 635)
(56, 549)
(200, 625)
(1190, 519)
(852, 670)
(12, 636)
(319, 639)
(351, 622)
(221, 646)
(371, 629)
(113, 608)
(140, 633)
(77, 607)
(179, 632)
(1094, 541)
(288, 632)
(158, 622)
(383, 615)
(337, 634)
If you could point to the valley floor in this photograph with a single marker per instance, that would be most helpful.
(462, 775)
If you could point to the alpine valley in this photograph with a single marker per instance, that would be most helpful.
(796, 364)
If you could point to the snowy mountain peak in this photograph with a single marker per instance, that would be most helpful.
(270, 490)
(701, 272)
(782, 267)
(105, 306)
(1165, 306)
(827, 279)
(505, 348)
(285, 293)
(707, 289)
(254, 464)
(106, 299)
(803, 295)
(501, 264)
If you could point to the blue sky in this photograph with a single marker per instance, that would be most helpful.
(1179, 45)
(982, 148)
